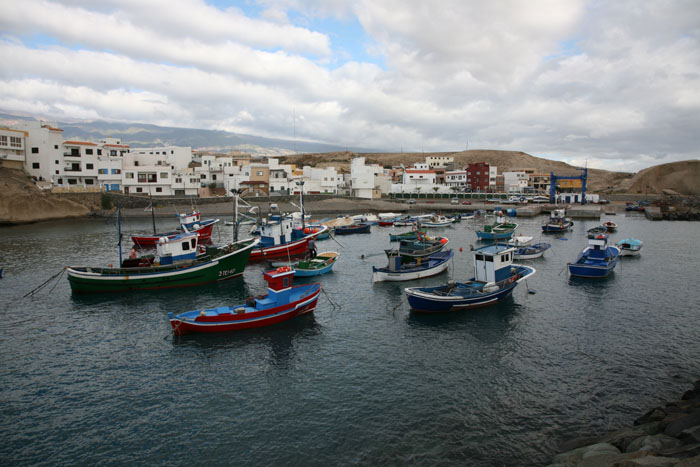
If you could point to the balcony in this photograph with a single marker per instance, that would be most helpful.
(71, 154)
(72, 169)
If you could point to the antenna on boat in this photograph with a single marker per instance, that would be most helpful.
(300, 184)
(153, 216)
(236, 193)
(119, 231)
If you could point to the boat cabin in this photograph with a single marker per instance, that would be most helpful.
(190, 218)
(275, 233)
(182, 247)
(557, 214)
(597, 246)
(492, 262)
(279, 285)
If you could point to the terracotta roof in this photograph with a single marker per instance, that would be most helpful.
(26, 133)
(253, 182)
(73, 143)
(117, 145)
(417, 171)
(51, 128)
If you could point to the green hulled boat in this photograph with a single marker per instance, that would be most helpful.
(176, 264)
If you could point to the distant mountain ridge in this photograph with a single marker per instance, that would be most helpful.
(147, 135)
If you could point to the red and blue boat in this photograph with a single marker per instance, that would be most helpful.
(495, 277)
(280, 239)
(190, 222)
(281, 303)
(558, 222)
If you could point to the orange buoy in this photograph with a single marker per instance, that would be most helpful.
(443, 241)
(307, 230)
(460, 249)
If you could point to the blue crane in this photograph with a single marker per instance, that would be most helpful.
(553, 184)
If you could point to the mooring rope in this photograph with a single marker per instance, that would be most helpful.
(35, 290)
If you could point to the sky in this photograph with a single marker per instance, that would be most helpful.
(611, 84)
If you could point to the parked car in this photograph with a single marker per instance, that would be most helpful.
(411, 201)
(454, 201)
(466, 202)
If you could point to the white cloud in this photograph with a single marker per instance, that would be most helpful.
(576, 80)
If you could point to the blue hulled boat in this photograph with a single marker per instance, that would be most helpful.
(596, 260)
(362, 227)
(495, 277)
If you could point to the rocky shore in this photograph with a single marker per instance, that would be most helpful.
(663, 437)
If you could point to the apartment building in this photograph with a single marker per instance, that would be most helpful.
(439, 161)
(515, 182)
(456, 178)
(362, 179)
(43, 150)
(147, 174)
(12, 148)
(178, 156)
(478, 176)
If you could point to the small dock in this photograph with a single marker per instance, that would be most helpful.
(586, 211)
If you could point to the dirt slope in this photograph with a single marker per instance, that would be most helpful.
(22, 202)
(682, 177)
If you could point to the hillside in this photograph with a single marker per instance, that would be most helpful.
(598, 180)
(682, 177)
(22, 202)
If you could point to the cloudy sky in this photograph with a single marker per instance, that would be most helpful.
(615, 84)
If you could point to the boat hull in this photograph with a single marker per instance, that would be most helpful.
(150, 241)
(192, 322)
(387, 275)
(286, 250)
(102, 280)
(494, 236)
(589, 270)
(556, 227)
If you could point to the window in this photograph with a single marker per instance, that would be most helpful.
(88, 166)
(102, 171)
(164, 175)
(213, 177)
(99, 152)
(139, 190)
(15, 142)
(178, 180)
(3, 140)
(88, 151)
(55, 146)
(159, 189)
(60, 181)
(142, 178)
(129, 175)
(58, 172)
(35, 150)
(203, 176)
(72, 181)
(35, 165)
(185, 246)
(89, 181)
(56, 162)
(116, 171)
(259, 173)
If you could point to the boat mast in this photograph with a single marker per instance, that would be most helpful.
(153, 216)
(119, 232)
(300, 184)
(236, 193)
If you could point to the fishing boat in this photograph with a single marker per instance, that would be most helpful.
(177, 263)
(495, 277)
(410, 235)
(558, 222)
(280, 239)
(436, 221)
(422, 247)
(388, 223)
(188, 223)
(520, 240)
(532, 251)
(366, 218)
(316, 228)
(281, 303)
(397, 270)
(320, 264)
(596, 260)
(499, 230)
(362, 227)
(404, 222)
(610, 226)
(630, 246)
(246, 222)
(595, 231)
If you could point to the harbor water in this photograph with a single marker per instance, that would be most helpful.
(100, 379)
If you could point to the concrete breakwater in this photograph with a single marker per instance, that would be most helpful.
(664, 436)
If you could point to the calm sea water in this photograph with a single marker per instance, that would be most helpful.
(87, 380)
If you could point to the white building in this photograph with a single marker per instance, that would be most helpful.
(456, 178)
(44, 152)
(280, 176)
(185, 182)
(419, 178)
(146, 174)
(178, 156)
(493, 173)
(321, 180)
(515, 182)
(363, 179)
(12, 148)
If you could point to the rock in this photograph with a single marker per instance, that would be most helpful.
(648, 461)
(677, 426)
(691, 394)
(574, 443)
(690, 435)
(691, 462)
(653, 443)
(654, 415)
(585, 452)
(683, 451)
(622, 438)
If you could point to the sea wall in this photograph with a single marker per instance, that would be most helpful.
(665, 436)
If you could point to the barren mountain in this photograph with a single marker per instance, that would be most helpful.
(682, 177)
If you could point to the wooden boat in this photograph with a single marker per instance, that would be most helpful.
(422, 247)
(593, 232)
(352, 229)
(596, 260)
(280, 239)
(175, 264)
(436, 221)
(630, 246)
(397, 270)
(321, 264)
(188, 223)
(497, 231)
(410, 235)
(281, 303)
(495, 277)
(610, 226)
(558, 222)
(520, 240)
(531, 251)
